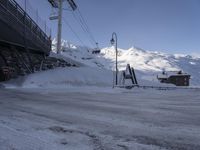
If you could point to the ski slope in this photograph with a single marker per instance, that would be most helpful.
(147, 63)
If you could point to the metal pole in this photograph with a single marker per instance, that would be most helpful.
(45, 27)
(116, 60)
(116, 54)
(37, 16)
(59, 27)
(25, 39)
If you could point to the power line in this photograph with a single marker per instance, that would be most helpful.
(85, 22)
(78, 17)
(83, 28)
(81, 21)
(77, 36)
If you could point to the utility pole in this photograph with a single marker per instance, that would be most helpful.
(58, 4)
(59, 36)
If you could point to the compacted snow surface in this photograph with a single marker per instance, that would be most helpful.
(99, 119)
(75, 108)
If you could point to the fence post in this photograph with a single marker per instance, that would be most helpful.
(37, 16)
(45, 27)
(7, 4)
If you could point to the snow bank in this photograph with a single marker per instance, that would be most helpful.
(71, 77)
(66, 77)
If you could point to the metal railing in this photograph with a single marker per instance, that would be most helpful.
(21, 19)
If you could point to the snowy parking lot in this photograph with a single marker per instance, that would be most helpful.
(84, 119)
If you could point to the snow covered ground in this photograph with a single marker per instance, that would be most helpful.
(99, 119)
(64, 78)
(75, 108)
(81, 77)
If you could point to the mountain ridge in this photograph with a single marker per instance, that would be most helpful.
(148, 62)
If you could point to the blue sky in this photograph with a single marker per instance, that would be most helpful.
(171, 26)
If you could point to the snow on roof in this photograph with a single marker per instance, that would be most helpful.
(167, 74)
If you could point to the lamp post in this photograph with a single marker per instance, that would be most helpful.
(114, 42)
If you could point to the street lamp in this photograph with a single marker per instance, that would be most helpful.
(114, 42)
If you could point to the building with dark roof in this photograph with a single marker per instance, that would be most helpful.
(177, 78)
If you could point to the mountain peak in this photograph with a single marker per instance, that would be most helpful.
(140, 59)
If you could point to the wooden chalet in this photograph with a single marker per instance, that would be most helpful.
(177, 78)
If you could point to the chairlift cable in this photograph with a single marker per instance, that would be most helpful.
(77, 36)
(83, 28)
(87, 27)
(80, 19)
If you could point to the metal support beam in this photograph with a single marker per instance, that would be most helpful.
(58, 4)
(59, 36)
(114, 41)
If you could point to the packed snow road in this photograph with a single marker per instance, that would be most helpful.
(107, 120)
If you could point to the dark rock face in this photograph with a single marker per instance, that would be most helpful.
(2, 86)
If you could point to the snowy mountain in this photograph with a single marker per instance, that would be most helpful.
(147, 63)
(98, 69)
